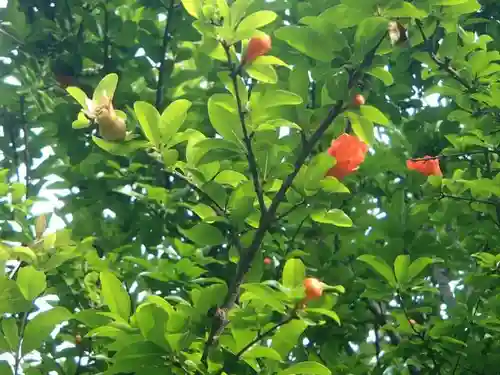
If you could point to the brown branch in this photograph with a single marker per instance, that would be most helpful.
(160, 88)
(442, 65)
(24, 123)
(258, 338)
(252, 161)
(266, 219)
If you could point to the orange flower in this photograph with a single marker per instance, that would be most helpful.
(313, 288)
(257, 46)
(349, 151)
(427, 166)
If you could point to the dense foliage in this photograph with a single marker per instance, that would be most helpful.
(241, 187)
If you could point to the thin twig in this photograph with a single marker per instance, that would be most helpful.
(12, 136)
(258, 338)
(420, 334)
(453, 155)
(18, 356)
(106, 40)
(252, 161)
(24, 123)
(442, 65)
(160, 88)
(466, 199)
(377, 344)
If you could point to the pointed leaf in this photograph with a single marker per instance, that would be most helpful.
(294, 273)
(173, 117)
(115, 295)
(149, 119)
(380, 266)
(106, 87)
(401, 265)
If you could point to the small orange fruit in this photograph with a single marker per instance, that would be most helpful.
(313, 288)
(359, 100)
(267, 261)
(257, 46)
(78, 339)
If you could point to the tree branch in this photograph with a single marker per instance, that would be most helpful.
(12, 135)
(453, 155)
(160, 88)
(442, 65)
(252, 161)
(419, 334)
(465, 199)
(106, 40)
(24, 123)
(258, 338)
(267, 217)
(18, 356)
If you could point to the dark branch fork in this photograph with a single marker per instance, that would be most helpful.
(220, 319)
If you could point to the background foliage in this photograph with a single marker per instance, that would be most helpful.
(152, 262)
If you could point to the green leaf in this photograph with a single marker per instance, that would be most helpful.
(380, 266)
(204, 234)
(81, 122)
(316, 170)
(368, 34)
(262, 352)
(24, 253)
(39, 328)
(257, 20)
(329, 313)
(238, 10)
(307, 41)
(152, 321)
(418, 266)
(31, 282)
(263, 294)
(449, 2)
(173, 117)
(334, 216)
(205, 298)
(106, 87)
(277, 98)
(11, 333)
(193, 7)
(373, 114)
(382, 74)
(344, 16)
(149, 119)
(362, 127)
(79, 95)
(262, 72)
(119, 148)
(306, 368)
(401, 267)
(224, 117)
(115, 295)
(287, 336)
(17, 190)
(5, 368)
(11, 299)
(406, 10)
(294, 273)
(230, 177)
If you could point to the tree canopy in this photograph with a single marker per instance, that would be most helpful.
(248, 187)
